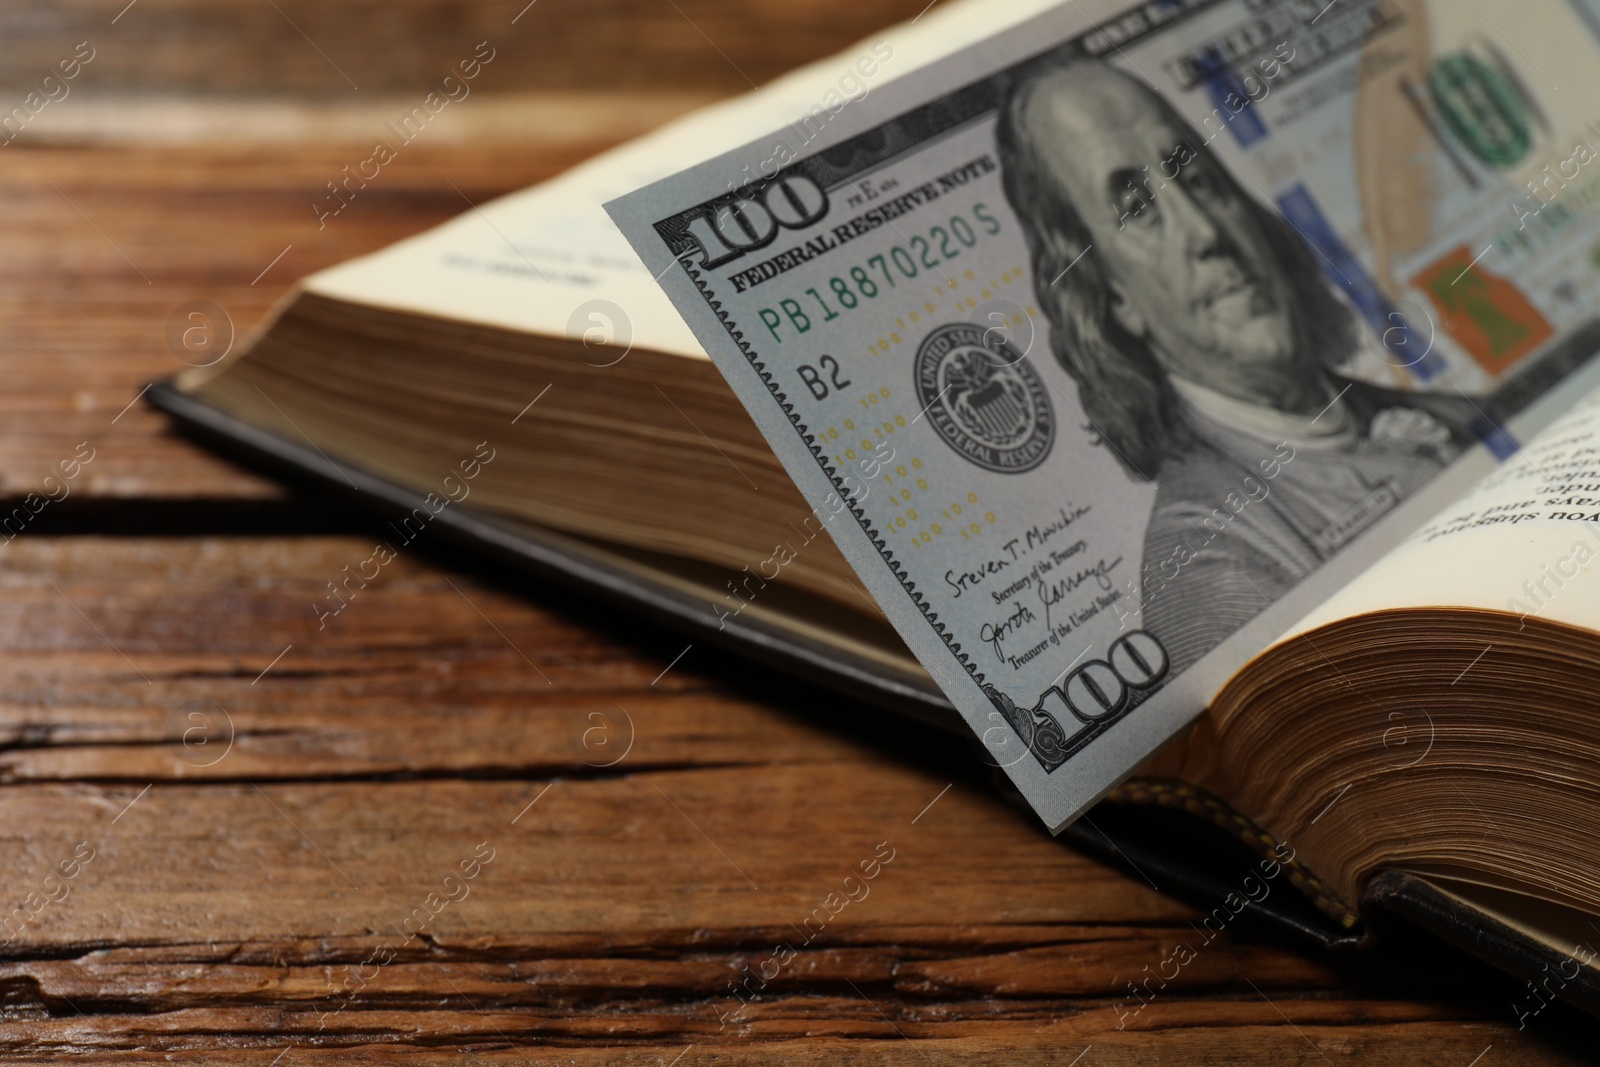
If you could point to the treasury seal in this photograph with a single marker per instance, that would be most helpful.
(984, 398)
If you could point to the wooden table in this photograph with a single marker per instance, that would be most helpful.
(474, 818)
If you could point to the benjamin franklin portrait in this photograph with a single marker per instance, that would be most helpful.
(1206, 343)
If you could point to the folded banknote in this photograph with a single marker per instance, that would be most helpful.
(1108, 347)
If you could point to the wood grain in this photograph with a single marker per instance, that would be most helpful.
(107, 243)
(253, 806)
(362, 46)
(241, 899)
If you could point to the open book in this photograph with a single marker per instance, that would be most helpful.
(1360, 615)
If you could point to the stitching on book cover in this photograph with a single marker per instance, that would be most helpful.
(1172, 793)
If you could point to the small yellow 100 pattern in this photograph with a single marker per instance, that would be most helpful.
(961, 518)
(880, 431)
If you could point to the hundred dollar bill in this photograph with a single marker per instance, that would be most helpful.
(1116, 342)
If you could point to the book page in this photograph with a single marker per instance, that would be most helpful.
(1525, 539)
(549, 260)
